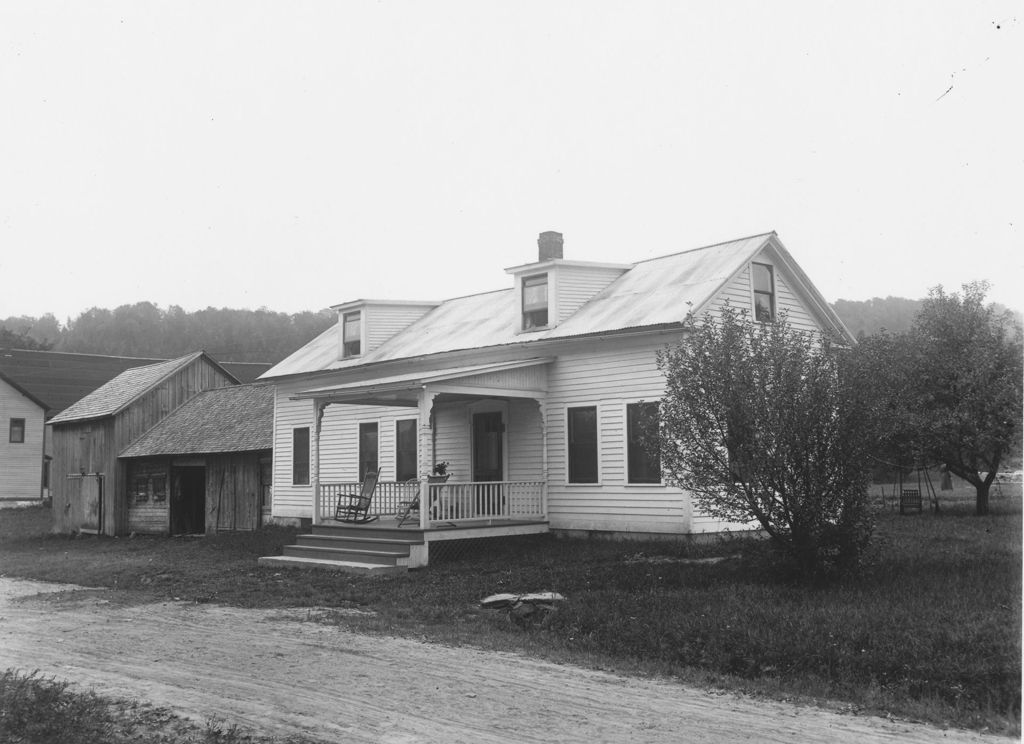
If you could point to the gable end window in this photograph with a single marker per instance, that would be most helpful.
(582, 431)
(351, 334)
(643, 460)
(300, 456)
(17, 432)
(535, 301)
(763, 278)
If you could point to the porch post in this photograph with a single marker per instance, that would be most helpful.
(314, 464)
(425, 452)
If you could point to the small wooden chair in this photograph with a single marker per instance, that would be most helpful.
(910, 498)
(355, 508)
(410, 510)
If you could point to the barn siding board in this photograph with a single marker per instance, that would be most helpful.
(81, 447)
(152, 515)
(233, 491)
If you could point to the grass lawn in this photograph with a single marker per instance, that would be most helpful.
(932, 631)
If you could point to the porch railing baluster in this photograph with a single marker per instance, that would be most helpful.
(449, 503)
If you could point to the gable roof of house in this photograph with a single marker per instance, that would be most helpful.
(14, 384)
(120, 392)
(655, 292)
(58, 379)
(239, 418)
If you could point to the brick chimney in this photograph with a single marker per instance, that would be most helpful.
(549, 245)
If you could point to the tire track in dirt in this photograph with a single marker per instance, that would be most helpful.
(270, 671)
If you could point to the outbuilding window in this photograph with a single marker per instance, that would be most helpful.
(764, 292)
(352, 333)
(535, 301)
(17, 432)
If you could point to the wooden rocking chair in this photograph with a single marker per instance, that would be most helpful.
(355, 508)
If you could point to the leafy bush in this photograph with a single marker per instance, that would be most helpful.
(761, 423)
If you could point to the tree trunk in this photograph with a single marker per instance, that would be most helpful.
(981, 500)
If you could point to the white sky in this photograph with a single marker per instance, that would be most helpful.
(295, 155)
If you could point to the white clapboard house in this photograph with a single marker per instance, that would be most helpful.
(535, 396)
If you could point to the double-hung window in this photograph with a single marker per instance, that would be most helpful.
(764, 292)
(351, 332)
(535, 301)
(405, 449)
(367, 449)
(643, 460)
(300, 456)
(582, 433)
(17, 431)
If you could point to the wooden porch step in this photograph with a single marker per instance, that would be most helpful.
(369, 542)
(331, 565)
(386, 527)
(345, 553)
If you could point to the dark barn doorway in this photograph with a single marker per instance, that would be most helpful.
(188, 500)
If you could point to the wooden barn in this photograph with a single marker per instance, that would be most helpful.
(89, 487)
(206, 467)
(58, 379)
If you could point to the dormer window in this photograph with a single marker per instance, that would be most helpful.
(764, 292)
(351, 334)
(535, 301)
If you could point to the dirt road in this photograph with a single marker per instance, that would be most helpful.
(277, 674)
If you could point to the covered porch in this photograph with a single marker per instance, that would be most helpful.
(487, 423)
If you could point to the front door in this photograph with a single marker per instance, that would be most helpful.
(488, 462)
(188, 500)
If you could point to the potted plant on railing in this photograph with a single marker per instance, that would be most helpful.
(440, 474)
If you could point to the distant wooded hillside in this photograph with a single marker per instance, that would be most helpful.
(866, 317)
(894, 314)
(145, 330)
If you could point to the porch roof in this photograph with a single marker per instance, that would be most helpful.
(368, 390)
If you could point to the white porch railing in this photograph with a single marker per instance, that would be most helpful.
(451, 503)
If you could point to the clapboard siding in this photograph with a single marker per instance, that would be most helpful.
(451, 439)
(576, 285)
(609, 378)
(524, 441)
(787, 301)
(384, 321)
(740, 296)
(290, 500)
(21, 463)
